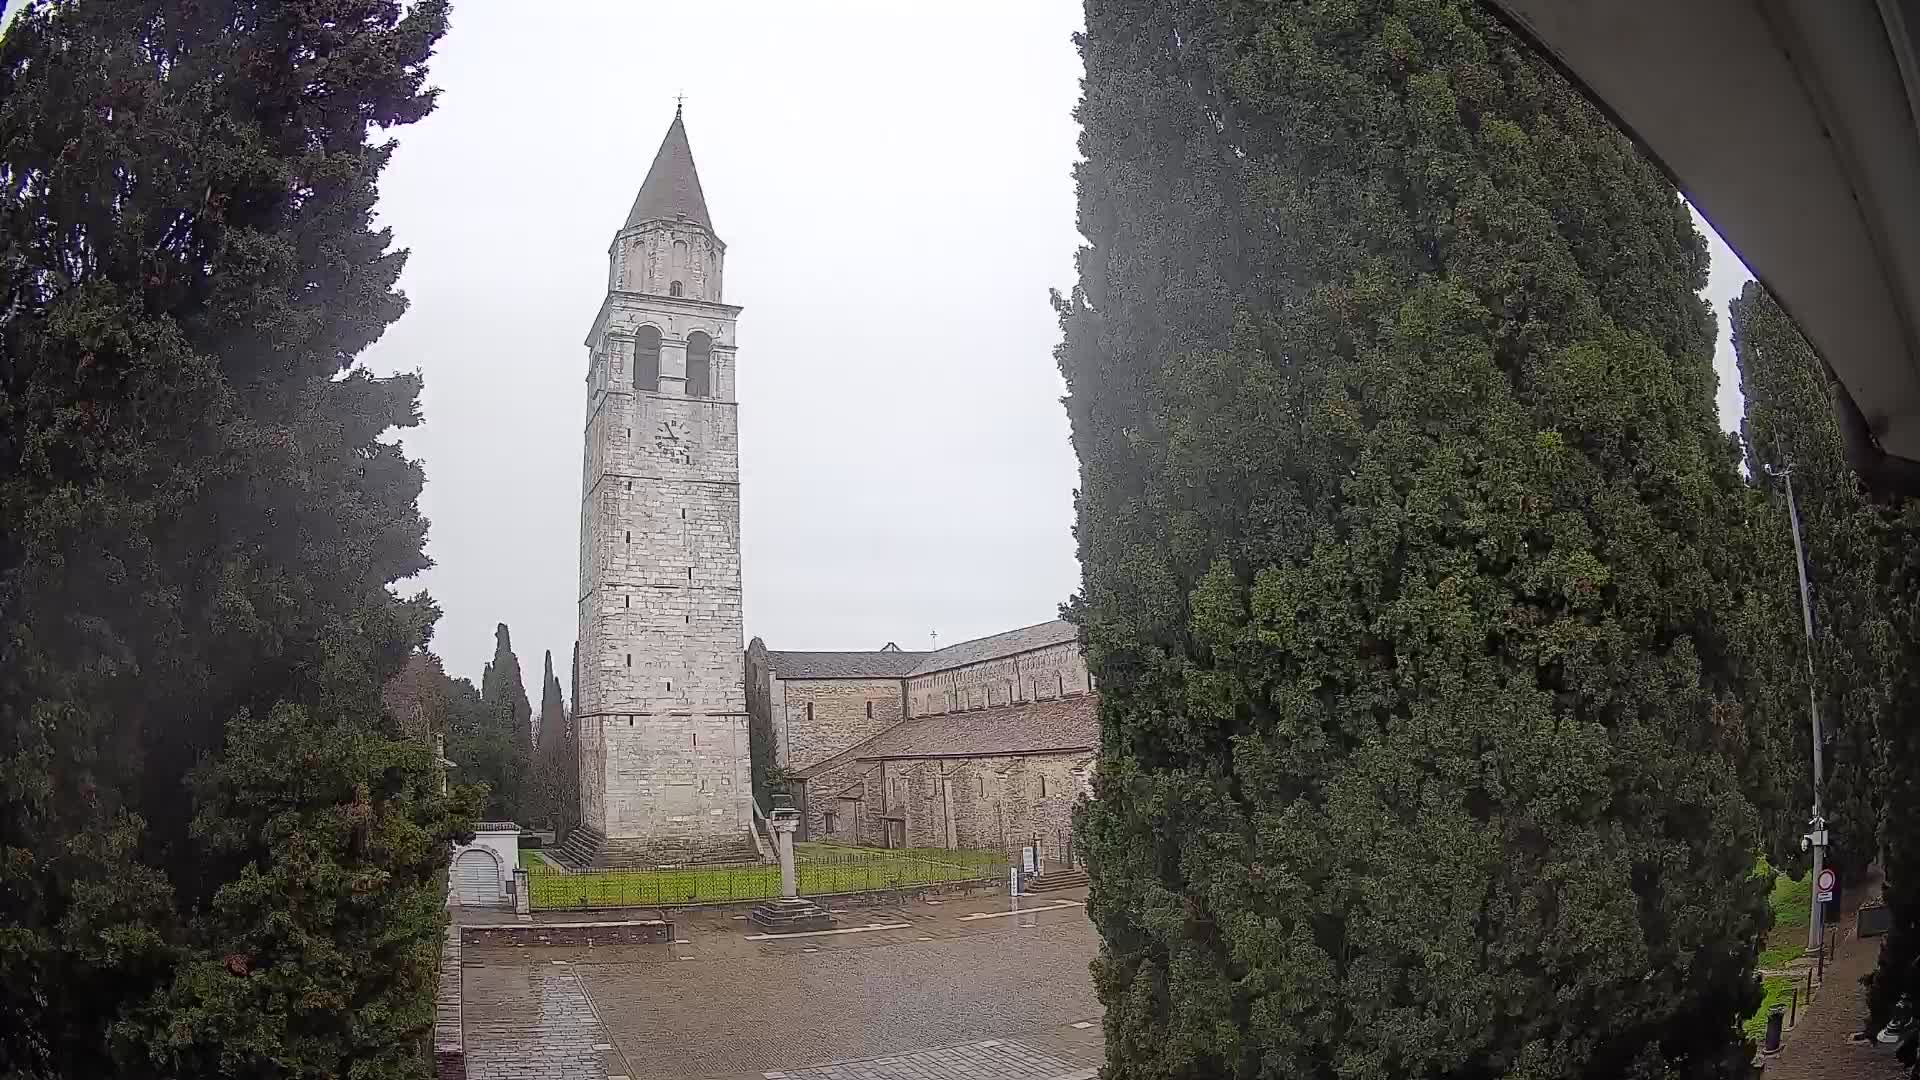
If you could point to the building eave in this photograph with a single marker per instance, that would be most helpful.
(1042, 752)
(1794, 127)
(682, 305)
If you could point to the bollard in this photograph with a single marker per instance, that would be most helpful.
(1771, 1043)
(1793, 1006)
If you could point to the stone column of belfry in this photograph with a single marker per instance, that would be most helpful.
(662, 710)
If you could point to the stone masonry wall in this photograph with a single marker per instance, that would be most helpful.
(1015, 811)
(678, 779)
(1037, 675)
(819, 718)
(649, 257)
(996, 803)
(662, 712)
(820, 796)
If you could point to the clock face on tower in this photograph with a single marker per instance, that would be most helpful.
(670, 440)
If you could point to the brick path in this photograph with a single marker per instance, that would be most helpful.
(1818, 1047)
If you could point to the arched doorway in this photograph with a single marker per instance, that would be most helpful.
(476, 878)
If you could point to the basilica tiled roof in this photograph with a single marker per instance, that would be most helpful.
(1032, 727)
(872, 664)
(980, 650)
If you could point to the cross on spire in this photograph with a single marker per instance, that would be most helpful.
(678, 100)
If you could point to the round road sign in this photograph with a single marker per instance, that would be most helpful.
(1826, 880)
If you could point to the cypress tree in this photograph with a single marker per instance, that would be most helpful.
(572, 762)
(221, 855)
(551, 749)
(1790, 421)
(1403, 522)
(1898, 776)
(506, 758)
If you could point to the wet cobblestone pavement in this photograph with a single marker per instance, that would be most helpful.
(989, 1059)
(525, 1023)
(932, 992)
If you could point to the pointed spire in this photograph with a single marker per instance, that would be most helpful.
(672, 187)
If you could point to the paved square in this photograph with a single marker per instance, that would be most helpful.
(538, 1025)
(941, 998)
(995, 1058)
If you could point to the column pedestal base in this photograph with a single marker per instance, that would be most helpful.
(791, 914)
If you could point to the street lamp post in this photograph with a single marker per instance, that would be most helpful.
(1817, 838)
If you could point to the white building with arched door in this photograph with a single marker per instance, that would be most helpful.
(482, 871)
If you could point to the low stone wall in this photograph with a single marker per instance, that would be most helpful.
(623, 932)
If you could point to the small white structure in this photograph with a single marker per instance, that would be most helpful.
(482, 869)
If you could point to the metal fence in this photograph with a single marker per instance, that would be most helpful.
(820, 872)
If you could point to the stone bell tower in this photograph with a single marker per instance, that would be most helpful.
(662, 715)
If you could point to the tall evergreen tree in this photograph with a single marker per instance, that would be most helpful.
(572, 764)
(1898, 775)
(552, 747)
(1790, 421)
(501, 750)
(220, 854)
(1404, 522)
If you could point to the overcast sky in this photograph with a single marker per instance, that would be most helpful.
(892, 183)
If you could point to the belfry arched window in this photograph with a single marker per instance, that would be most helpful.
(646, 359)
(699, 365)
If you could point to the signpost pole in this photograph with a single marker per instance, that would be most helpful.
(1816, 928)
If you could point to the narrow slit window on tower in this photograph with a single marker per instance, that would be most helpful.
(809, 712)
(646, 359)
(699, 365)
(626, 601)
(1043, 786)
(629, 536)
(629, 659)
(869, 710)
(689, 573)
(669, 686)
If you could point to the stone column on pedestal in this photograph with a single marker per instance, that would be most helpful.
(784, 824)
(792, 912)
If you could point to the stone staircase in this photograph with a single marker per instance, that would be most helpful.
(581, 849)
(1056, 878)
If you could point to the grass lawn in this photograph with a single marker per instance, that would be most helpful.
(1791, 900)
(1774, 989)
(822, 869)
